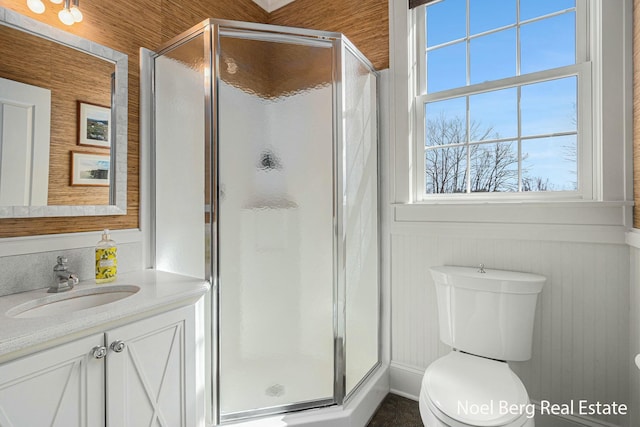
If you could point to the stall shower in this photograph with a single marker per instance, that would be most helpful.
(266, 184)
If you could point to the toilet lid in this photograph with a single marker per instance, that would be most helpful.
(475, 390)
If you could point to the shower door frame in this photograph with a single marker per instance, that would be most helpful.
(346, 45)
(211, 30)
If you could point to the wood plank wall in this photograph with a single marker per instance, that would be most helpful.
(126, 26)
(636, 113)
(364, 22)
(179, 15)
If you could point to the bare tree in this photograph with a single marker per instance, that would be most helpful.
(493, 166)
(536, 184)
(446, 166)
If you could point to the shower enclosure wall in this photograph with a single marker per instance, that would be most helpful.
(265, 161)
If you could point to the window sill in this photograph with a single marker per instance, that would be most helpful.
(585, 221)
(633, 238)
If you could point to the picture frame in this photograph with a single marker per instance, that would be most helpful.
(94, 125)
(90, 169)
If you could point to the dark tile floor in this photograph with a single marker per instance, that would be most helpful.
(396, 411)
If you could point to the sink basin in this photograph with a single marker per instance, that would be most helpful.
(74, 300)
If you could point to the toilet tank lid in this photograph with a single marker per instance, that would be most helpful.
(499, 281)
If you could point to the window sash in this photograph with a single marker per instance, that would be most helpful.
(584, 147)
(585, 144)
(419, 20)
(495, 30)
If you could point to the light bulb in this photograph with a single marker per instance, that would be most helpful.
(75, 12)
(36, 6)
(66, 17)
(56, 1)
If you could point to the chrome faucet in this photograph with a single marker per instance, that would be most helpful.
(481, 269)
(64, 279)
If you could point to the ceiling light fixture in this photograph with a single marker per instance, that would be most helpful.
(65, 14)
(75, 11)
(69, 14)
(36, 6)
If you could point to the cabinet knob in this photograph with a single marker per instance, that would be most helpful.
(99, 352)
(118, 346)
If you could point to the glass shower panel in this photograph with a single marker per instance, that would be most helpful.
(180, 148)
(361, 226)
(276, 235)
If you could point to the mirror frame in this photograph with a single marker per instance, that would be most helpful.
(118, 195)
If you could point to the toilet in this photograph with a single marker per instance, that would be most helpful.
(487, 317)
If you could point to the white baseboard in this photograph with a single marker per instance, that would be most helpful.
(406, 380)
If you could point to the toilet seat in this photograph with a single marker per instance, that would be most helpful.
(465, 390)
(437, 418)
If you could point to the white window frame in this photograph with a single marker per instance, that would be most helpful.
(587, 174)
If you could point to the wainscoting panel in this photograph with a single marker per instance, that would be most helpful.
(581, 335)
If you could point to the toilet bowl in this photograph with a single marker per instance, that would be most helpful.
(462, 390)
(487, 317)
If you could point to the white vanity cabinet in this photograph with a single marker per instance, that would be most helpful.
(152, 380)
(147, 377)
(62, 386)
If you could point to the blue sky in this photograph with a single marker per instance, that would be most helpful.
(547, 107)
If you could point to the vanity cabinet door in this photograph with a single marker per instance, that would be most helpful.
(151, 373)
(59, 387)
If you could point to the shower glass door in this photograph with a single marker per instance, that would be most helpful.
(180, 219)
(362, 305)
(275, 222)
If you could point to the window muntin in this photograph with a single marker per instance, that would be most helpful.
(495, 42)
(446, 21)
(499, 97)
(517, 139)
(530, 9)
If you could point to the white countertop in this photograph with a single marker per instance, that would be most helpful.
(157, 290)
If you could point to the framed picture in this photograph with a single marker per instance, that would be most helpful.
(90, 169)
(94, 125)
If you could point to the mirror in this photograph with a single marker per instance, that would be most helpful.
(63, 123)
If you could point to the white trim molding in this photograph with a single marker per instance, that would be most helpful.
(561, 213)
(592, 222)
(57, 242)
(400, 103)
(146, 155)
(632, 238)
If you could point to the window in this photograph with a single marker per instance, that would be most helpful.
(502, 89)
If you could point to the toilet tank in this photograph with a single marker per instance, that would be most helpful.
(488, 313)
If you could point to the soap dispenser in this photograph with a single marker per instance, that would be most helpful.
(106, 259)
